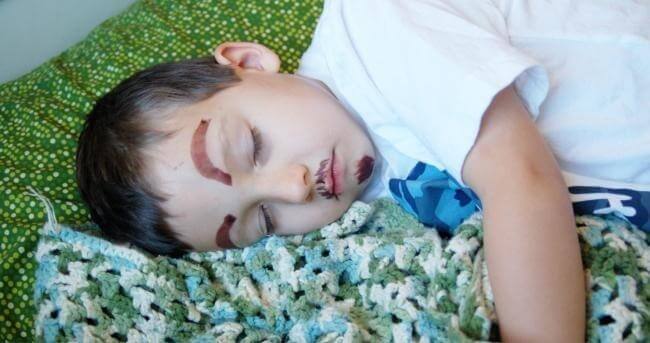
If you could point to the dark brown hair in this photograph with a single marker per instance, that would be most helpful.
(111, 161)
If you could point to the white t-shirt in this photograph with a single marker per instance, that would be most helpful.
(420, 74)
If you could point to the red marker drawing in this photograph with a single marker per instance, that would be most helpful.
(223, 233)
(364, 168)
(200, 157)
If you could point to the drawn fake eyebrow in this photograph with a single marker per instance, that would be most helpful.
(200, 158)
(223, 233)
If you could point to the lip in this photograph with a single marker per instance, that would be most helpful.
(329, 177)
(336, 174)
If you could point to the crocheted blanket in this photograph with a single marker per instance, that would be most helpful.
(374, 275)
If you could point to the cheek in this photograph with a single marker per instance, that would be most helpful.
(310, 128)
(299, 219)
(312, 120)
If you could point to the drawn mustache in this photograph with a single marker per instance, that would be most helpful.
(321, 175)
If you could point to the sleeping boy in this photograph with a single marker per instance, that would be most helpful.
(448, 107)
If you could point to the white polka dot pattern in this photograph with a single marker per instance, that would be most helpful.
(41, 113)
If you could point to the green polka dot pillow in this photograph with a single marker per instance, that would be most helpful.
(42, 112)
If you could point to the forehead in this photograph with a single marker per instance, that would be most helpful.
(170, 162)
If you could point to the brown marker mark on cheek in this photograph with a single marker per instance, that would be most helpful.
(200, 157)
(223, 233)
(364, 168)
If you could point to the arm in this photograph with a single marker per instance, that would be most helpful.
(531, 243)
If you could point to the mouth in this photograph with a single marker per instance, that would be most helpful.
(329, 178)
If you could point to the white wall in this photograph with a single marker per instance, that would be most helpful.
(33, 31)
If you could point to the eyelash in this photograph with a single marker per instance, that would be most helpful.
(257, 146)
(268, 222)
(257, 143)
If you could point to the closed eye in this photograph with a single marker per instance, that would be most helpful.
(268, 226)
(268, 221)
(257, 144)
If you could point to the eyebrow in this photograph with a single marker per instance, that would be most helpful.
(200, 157)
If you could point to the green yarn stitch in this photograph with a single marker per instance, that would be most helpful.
(355, 280)
(42, 112)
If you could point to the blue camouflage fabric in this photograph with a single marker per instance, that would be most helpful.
(438, 200)
(434, 197)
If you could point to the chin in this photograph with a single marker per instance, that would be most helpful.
(345, 204)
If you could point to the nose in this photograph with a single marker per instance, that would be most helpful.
(291, 184)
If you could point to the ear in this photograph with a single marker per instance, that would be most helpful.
(247, 55)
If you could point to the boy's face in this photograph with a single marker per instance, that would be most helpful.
(222, 191)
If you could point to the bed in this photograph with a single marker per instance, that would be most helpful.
(374, 275)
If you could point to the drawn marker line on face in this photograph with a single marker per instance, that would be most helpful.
(324, 180)
(200, 157)
(223, 233)
(364, 168)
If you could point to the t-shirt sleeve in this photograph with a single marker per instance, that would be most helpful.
(312, 62)
(438, 65)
